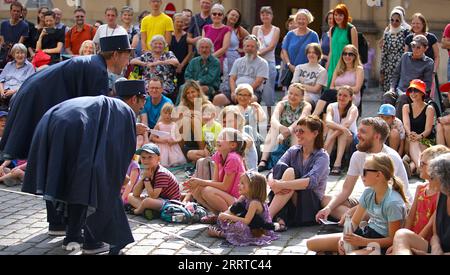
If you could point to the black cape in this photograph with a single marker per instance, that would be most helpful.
(80, 154)
(79, 76)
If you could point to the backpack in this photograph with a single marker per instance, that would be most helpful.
(178, 212)
(363, 45)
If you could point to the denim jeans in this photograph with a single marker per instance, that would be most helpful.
(268, 95)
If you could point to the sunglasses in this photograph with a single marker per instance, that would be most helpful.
(369, 170)
(216, 14)
(415, 91)
(299, 131)
(348, 54)
(395, 20)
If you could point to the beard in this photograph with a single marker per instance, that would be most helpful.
(364, 146)
(250, 55)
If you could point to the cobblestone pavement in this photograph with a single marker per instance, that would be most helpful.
(23, 226)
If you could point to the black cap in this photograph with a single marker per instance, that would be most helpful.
(115, 43)
(130, 87)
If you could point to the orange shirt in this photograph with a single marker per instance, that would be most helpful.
(75, 38)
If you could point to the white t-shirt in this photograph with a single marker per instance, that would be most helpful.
(247, 69)
(311, 75)
(104, 31)
(358, 159)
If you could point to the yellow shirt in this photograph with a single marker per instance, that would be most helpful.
(153, 25)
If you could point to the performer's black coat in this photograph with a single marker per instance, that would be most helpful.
(79, 76)
(80, 154)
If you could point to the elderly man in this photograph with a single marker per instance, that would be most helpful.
(61, 160)
(79, 76)
(204, 68)
(78, 33)
(250, 69)
(415, 65)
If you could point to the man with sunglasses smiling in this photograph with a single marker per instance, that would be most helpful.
(78, 33)
(415, 65)
(372, 134)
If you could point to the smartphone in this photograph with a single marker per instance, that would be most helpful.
(50, 30)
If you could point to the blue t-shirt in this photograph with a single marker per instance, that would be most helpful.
(392, 208)
(295, 45)
(12, 34)
(153, 111)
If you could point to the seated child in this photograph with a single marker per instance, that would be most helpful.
(159, 183)
(396, 139)
(251, 225)
(171, 154)
(210, 131)
(130, 180)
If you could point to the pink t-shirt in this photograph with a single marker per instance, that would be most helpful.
(233, 164)
(217, 36)
(447, 35)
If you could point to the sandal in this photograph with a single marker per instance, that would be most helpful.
(209, 219)
(336, 171)
(214, 231)
(262, 167)
(280, 226)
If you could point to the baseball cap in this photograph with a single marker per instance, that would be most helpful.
(386, 110)
(418, 85)
(420, 40)
(3, 113)
(149, 148)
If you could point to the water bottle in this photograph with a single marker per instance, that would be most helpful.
(348, 229)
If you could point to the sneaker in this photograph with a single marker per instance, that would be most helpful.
(96, 248)
(12, 182)
(71, 245)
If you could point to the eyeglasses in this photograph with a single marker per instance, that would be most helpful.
(299, 131)
(395, 20)
(244, 95)
(216, 14)
(79, 16)
(369, 170)
(348, 54)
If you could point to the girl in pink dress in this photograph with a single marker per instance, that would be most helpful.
(167, 139)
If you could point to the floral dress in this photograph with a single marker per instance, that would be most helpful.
(391, 54)
(240, 234)
(165, 72)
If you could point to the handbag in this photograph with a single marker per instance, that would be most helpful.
(40, 59)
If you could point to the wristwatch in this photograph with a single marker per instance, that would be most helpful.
(289, 64)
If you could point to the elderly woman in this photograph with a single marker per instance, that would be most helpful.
(159, 63)
(300, 177)
(268, 36)
(392, 48)
(418, 119)
(219, 33)
(283, 121)
(87, 48)
(14, 73)
(296, 41)
(407, 242)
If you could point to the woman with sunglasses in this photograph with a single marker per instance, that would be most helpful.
(300, 177)
(341, 122)
(219, 33)
(383, 201)
(392, 48)
(418, 119)
(420, 26)
(349, 72)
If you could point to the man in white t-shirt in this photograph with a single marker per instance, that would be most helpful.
(372, 134)
(111, 27)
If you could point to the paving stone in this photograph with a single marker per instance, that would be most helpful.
(190, 250)
(157, 235)
(8, 242)
(140, 250)
(163, 252)
(39, 224)
(34, 251)
(154, 242)
(172, 245)
(18, 248)
(4, 222)
(17, 226)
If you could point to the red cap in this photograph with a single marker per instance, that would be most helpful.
(445, 88)
(417, 84)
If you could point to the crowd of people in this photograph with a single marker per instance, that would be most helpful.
(191, 66)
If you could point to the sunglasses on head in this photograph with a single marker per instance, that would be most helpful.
(395, 20)
(217, 14)
(369, 170)
(348, 54)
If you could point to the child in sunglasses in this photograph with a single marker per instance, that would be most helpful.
(384, 202)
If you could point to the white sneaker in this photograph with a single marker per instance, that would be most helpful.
(101, 247)
(72, 246)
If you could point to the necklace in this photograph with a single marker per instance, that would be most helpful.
(111, 32)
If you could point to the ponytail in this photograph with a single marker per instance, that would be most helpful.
(397, 185)
(240, 149)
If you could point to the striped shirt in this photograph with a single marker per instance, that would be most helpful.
(165, 180)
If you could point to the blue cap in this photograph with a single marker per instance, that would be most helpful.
(115, 43)
(386, 110)
(149, 148)
(130, 87)
(3, 113)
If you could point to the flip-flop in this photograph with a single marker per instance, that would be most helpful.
(280, 227)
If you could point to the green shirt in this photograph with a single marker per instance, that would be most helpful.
(207, 74)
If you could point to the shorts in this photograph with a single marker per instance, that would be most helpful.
(330, 96)
(370, 233)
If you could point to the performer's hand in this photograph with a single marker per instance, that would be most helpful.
(141, 129)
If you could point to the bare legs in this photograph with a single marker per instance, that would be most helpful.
(405, 239)
(280, 200)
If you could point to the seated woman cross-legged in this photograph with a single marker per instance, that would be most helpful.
(341, 122)
(300, 177)
(349, 71)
